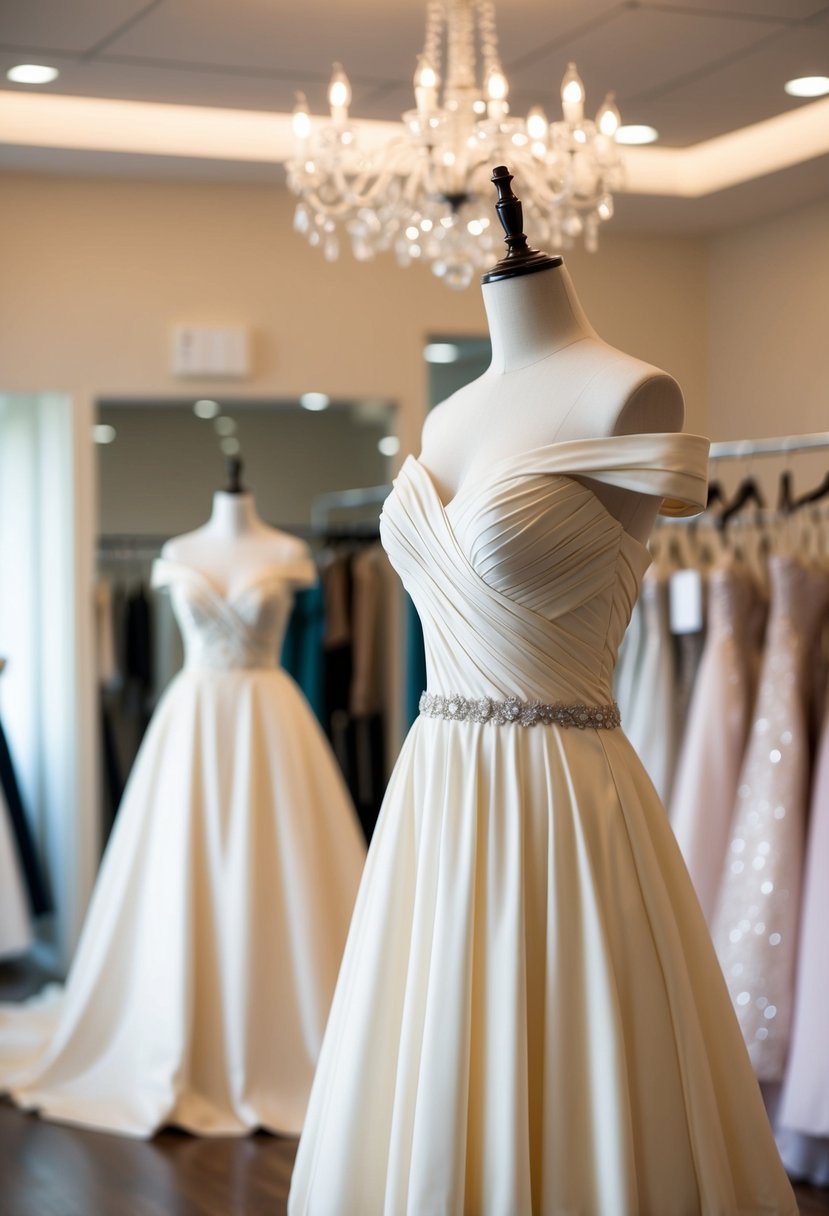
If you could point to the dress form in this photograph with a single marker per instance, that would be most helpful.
(551, 379)
(235, 544)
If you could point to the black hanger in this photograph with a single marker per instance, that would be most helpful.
(716, 494)
(785, 492)
(747, 491)
(819, 492)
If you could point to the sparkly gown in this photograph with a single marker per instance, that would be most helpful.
(708, 770)
(803, 1113)
(200, 988)
(756, 924)
(530, 1017)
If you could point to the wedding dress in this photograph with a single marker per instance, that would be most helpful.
(708, 771)
(755, 928)
(803, 1113)
(202, 981)
(530, 1017)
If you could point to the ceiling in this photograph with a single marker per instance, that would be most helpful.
(694, 70)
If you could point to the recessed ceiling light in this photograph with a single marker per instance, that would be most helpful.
(315, 401)
(225, 425)
(807, 86)
(636, 133)
(389, 445)
(206, 408)
(102, 432)
(32, 73)
(441, 352)
(230, 446)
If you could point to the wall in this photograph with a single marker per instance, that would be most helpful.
(290, 457)
(96, 270)
(768, 334)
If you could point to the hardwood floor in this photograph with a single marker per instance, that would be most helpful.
(47, 1169)
(50, 1170)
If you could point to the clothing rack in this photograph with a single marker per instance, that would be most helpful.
(326, 505)
(742, 449)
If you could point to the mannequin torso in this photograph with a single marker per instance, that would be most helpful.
(235, 546)
(551, 379)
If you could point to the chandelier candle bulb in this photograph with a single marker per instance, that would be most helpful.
(497, 89)
(339, 95)
(426, 83)
(608, 118)
(537, 125)
(301, 122)
(572, 95)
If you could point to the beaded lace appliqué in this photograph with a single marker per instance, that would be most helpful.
(483, 710)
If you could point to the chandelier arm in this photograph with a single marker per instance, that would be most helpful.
(422, 193)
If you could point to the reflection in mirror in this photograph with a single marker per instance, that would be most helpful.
(454, 362)
(317, 469)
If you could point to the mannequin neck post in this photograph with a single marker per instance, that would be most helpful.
(234, 515)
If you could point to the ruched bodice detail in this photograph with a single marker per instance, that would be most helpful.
(525, 582)
(228, 633)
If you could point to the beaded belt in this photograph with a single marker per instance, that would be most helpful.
(524, 713)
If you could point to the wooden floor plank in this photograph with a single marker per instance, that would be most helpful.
(48, 1169)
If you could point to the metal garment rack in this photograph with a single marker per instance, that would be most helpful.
(325, 505)
(743, 449)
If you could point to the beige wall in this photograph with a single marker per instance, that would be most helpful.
(769, 326)
(768, 343)
(96, 270)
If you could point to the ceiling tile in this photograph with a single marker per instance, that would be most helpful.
(63, 26)
(282, 34)
(745, 91)
(637, 50)
(781, 10)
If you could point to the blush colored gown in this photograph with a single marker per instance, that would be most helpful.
(202, 981)
(530, 1017)
(708, 771)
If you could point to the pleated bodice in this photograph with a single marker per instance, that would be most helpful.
(231, 632)
(525, 582)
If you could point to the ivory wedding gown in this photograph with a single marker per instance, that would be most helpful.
(202, 981)
(530, 1017)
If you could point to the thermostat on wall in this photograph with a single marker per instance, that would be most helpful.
(200, 350)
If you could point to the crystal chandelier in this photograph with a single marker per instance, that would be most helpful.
(426, 193)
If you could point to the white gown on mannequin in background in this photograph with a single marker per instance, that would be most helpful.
(201, 985)
(530, 1019)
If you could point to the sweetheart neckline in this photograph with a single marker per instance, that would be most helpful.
(445, 508)
(231, 597)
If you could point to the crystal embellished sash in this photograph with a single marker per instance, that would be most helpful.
(456, 708)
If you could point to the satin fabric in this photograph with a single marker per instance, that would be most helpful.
(202, 981)
(529, 1016)
(708, 770)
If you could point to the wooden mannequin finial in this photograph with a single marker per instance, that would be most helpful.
(520, 258)
(233, 472)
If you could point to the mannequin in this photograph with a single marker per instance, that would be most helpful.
(551, 379)
(235, 545)
(202, 981)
